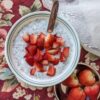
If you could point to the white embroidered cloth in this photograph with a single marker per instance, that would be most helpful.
(84, 15)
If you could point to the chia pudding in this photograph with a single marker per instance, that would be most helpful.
(18, 47)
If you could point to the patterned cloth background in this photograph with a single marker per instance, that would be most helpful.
(10, 88)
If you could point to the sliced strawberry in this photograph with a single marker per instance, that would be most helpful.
(33, 39)
(49, 57)
(45, 62)
(31, 49)
(27, 55)
(40, 41)
(26, 38)
(51, 71)
(55, 61)
(45, 57)
(49, 39)
(60, 41)
(38, 55)
(39, 67)
(53, 51)
(55, 45)
(66, 52)
(29, 60)
(62, 57)
(42, 35)
(33, 71)
(40, 44)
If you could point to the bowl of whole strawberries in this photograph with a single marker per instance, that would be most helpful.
(40, 58)
(82, 84)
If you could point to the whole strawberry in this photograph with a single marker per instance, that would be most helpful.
(72, 81)
(76, 94)
(87, 77)
(92, 91)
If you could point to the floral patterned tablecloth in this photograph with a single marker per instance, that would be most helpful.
(10, 88)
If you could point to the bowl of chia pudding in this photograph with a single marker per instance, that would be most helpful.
(38, 72)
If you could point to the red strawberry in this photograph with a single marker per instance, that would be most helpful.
(38, 55)
(51, 71)
(87, 77)
(66, 52)
(55, 61)
(60, 41)
(49, 39)
(62, 57)
(48, 57)
(45, 62)
(27, 55)
(55, 45)
(33, 39)
(33, 71)
(45, 56)
(40, 41)
(26, 38)
(53, 51)
(92, 91)
(72, 81)
(29, 60)
(39, 67)
(42, 35)
(51, 58)
(31, 49)
(76, 94)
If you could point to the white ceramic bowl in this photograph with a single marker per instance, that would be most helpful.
(33, 23)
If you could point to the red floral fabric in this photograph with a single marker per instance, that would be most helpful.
(10, 88)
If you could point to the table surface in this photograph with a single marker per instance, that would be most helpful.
(10, 88)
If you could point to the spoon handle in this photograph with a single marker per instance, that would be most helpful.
(53, 16)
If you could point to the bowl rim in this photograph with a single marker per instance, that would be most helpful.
(80, 63)
(6, 54)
